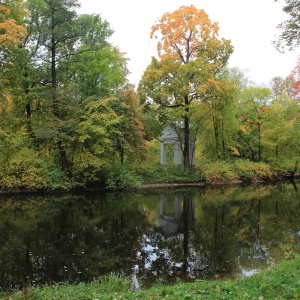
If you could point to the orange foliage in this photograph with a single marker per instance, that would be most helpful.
(183, 32)
(10, 32)
(295, 78)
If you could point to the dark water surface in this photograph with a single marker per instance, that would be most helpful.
(164, 235)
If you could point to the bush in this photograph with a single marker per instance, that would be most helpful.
(27, 170)
(159, 173)
(254, 171)
(122, 176)
(218, 171)
(235, 170)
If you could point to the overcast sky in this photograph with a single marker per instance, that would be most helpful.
(249, 24)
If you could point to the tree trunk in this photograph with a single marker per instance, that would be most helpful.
(62, 152)
(186, 148)
(259, 141)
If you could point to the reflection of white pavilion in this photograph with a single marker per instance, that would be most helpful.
(170, 136)
(172, 223)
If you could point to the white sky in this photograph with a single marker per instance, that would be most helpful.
(249, 24)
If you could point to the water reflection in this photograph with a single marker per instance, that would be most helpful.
(161, 235)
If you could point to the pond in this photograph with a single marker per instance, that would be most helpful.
(166, 235)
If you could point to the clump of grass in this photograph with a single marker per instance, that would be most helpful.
(281, 282)
(112, 284)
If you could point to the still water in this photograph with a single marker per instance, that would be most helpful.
(161, 235)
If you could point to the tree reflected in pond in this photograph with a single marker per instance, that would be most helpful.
(166, 235)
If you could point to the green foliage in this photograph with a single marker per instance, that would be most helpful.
(121, 176)
(86, 168)
(290, 250)
(251, 170)
(79, 114)
(235, 170)
(170, 174)
(26, 170)
(98, 126)
(94, 290)
(218, 171)
(289, 38)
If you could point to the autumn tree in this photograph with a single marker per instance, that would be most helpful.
(12, 32)
(282, 87)
(130, 142)
(62, 80)
(11, 29)
(190, 54)
(59, 41)
(295, 81)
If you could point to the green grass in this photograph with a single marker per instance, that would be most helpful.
(281, 282)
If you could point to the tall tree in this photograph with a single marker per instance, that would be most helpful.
(59, 38)
(220, 110)
(289, 37)
(253, 105)
(190, 54)
(54, 26)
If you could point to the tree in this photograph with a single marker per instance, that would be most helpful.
(252, 109)
(281, 130)
(11, 31)
(220, 104)
(295, 81)
(64, 65)
(283, 87)
(130, 141)
(290, 28)
(60, 40)
(11, 34)
(99, 73)
(190, 54)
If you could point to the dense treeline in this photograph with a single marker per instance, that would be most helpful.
(70, 118)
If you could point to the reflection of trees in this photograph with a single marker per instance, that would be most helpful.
(198, 248)
(67, 239)
(227, 235)
(165, 249)
(206, 233)
(253, 252)
(214, 241)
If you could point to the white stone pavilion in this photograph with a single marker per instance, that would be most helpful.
(170, 136)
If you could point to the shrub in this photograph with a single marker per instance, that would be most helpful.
(235, 170)
(122, 176)
(167, 174)
(27, 170)
(246, 169)
(218, 171)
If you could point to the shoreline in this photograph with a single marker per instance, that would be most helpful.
(146, 186)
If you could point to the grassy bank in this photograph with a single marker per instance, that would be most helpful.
(118, 177)
(281, 282)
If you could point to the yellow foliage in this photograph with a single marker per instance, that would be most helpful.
(186, 28)
(235, 151)
(10, 32)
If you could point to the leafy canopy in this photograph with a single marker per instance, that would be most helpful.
(289, 36)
